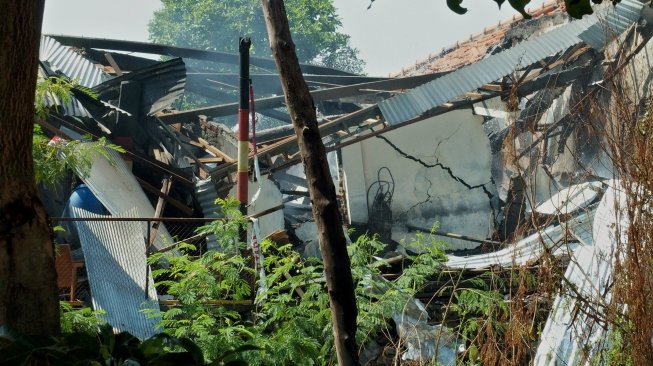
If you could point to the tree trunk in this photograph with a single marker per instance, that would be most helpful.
(28, 297)
(333, 245)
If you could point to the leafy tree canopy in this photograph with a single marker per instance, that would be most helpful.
(216, 25)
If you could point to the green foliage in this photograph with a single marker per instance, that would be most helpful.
(52, 161)
(226, 231)
(51, 89)
(216, 25)
(291, 323)
(484, 317)
(56, 87)
(195, 282)
(88, 340)
(619, 352)
(85, 320)
(103, 348)
(377, 298)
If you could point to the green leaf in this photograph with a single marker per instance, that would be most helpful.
(454, 5)
(193, 350)
(154, 346)
(520, 6)
(578, 8)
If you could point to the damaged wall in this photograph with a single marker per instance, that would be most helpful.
(441, 169)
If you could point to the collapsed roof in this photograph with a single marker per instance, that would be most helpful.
(484, 137)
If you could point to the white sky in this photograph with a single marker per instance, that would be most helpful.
(391, 35)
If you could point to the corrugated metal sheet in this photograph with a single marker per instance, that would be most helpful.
(528, 249)
(206, 194)
(451, 86)
(161, 84)
(117, 189)
(569, 200)
(617, 19)
(116, 264)
(73, 108)
(573, 335)
(57, 57)
(72, 64)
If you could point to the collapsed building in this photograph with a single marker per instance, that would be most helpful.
(485, 140)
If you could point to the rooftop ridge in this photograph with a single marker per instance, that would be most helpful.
(546, 8)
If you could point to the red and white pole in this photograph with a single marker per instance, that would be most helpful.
(243, 127)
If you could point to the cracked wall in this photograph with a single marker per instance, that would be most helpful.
(441, 169)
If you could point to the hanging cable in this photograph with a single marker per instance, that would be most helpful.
(257, 169)
(379, 210)
(251, 98)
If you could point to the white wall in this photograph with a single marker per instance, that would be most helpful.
(425, 192)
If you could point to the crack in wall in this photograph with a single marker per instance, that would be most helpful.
(404, 216)
(449, 171)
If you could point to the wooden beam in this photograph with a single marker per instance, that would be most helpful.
(473, 95)
(178, 136)
(492, 87)
(160, 156)
(113, 63)
(290, 142)
(337, 93)
(160, 205)
(150, 188)
(215, 151)
(211, 160)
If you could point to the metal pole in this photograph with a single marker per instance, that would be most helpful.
(243, 130)
(147, 266)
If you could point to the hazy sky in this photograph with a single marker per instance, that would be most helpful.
(392, 34)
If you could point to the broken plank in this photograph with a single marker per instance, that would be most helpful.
(214, 150)
(166, 184)
(161, 156)
(474, 95)
(195, 143)
(212, 160)
(492, 87)
(113, 63)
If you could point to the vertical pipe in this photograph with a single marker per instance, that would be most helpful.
(243, 129)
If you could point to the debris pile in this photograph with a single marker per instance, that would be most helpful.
(493, 147)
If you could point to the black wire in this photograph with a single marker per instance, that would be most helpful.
(383, 196)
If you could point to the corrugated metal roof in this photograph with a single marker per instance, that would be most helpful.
(114, 184)
(573, 335)
(57, 57)
(569, 199)
(116, 264)
(206, 194)
(451, 86)
(528, 249)
(73, 108)
(162, 84)
(617, 19)
(72, 64)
